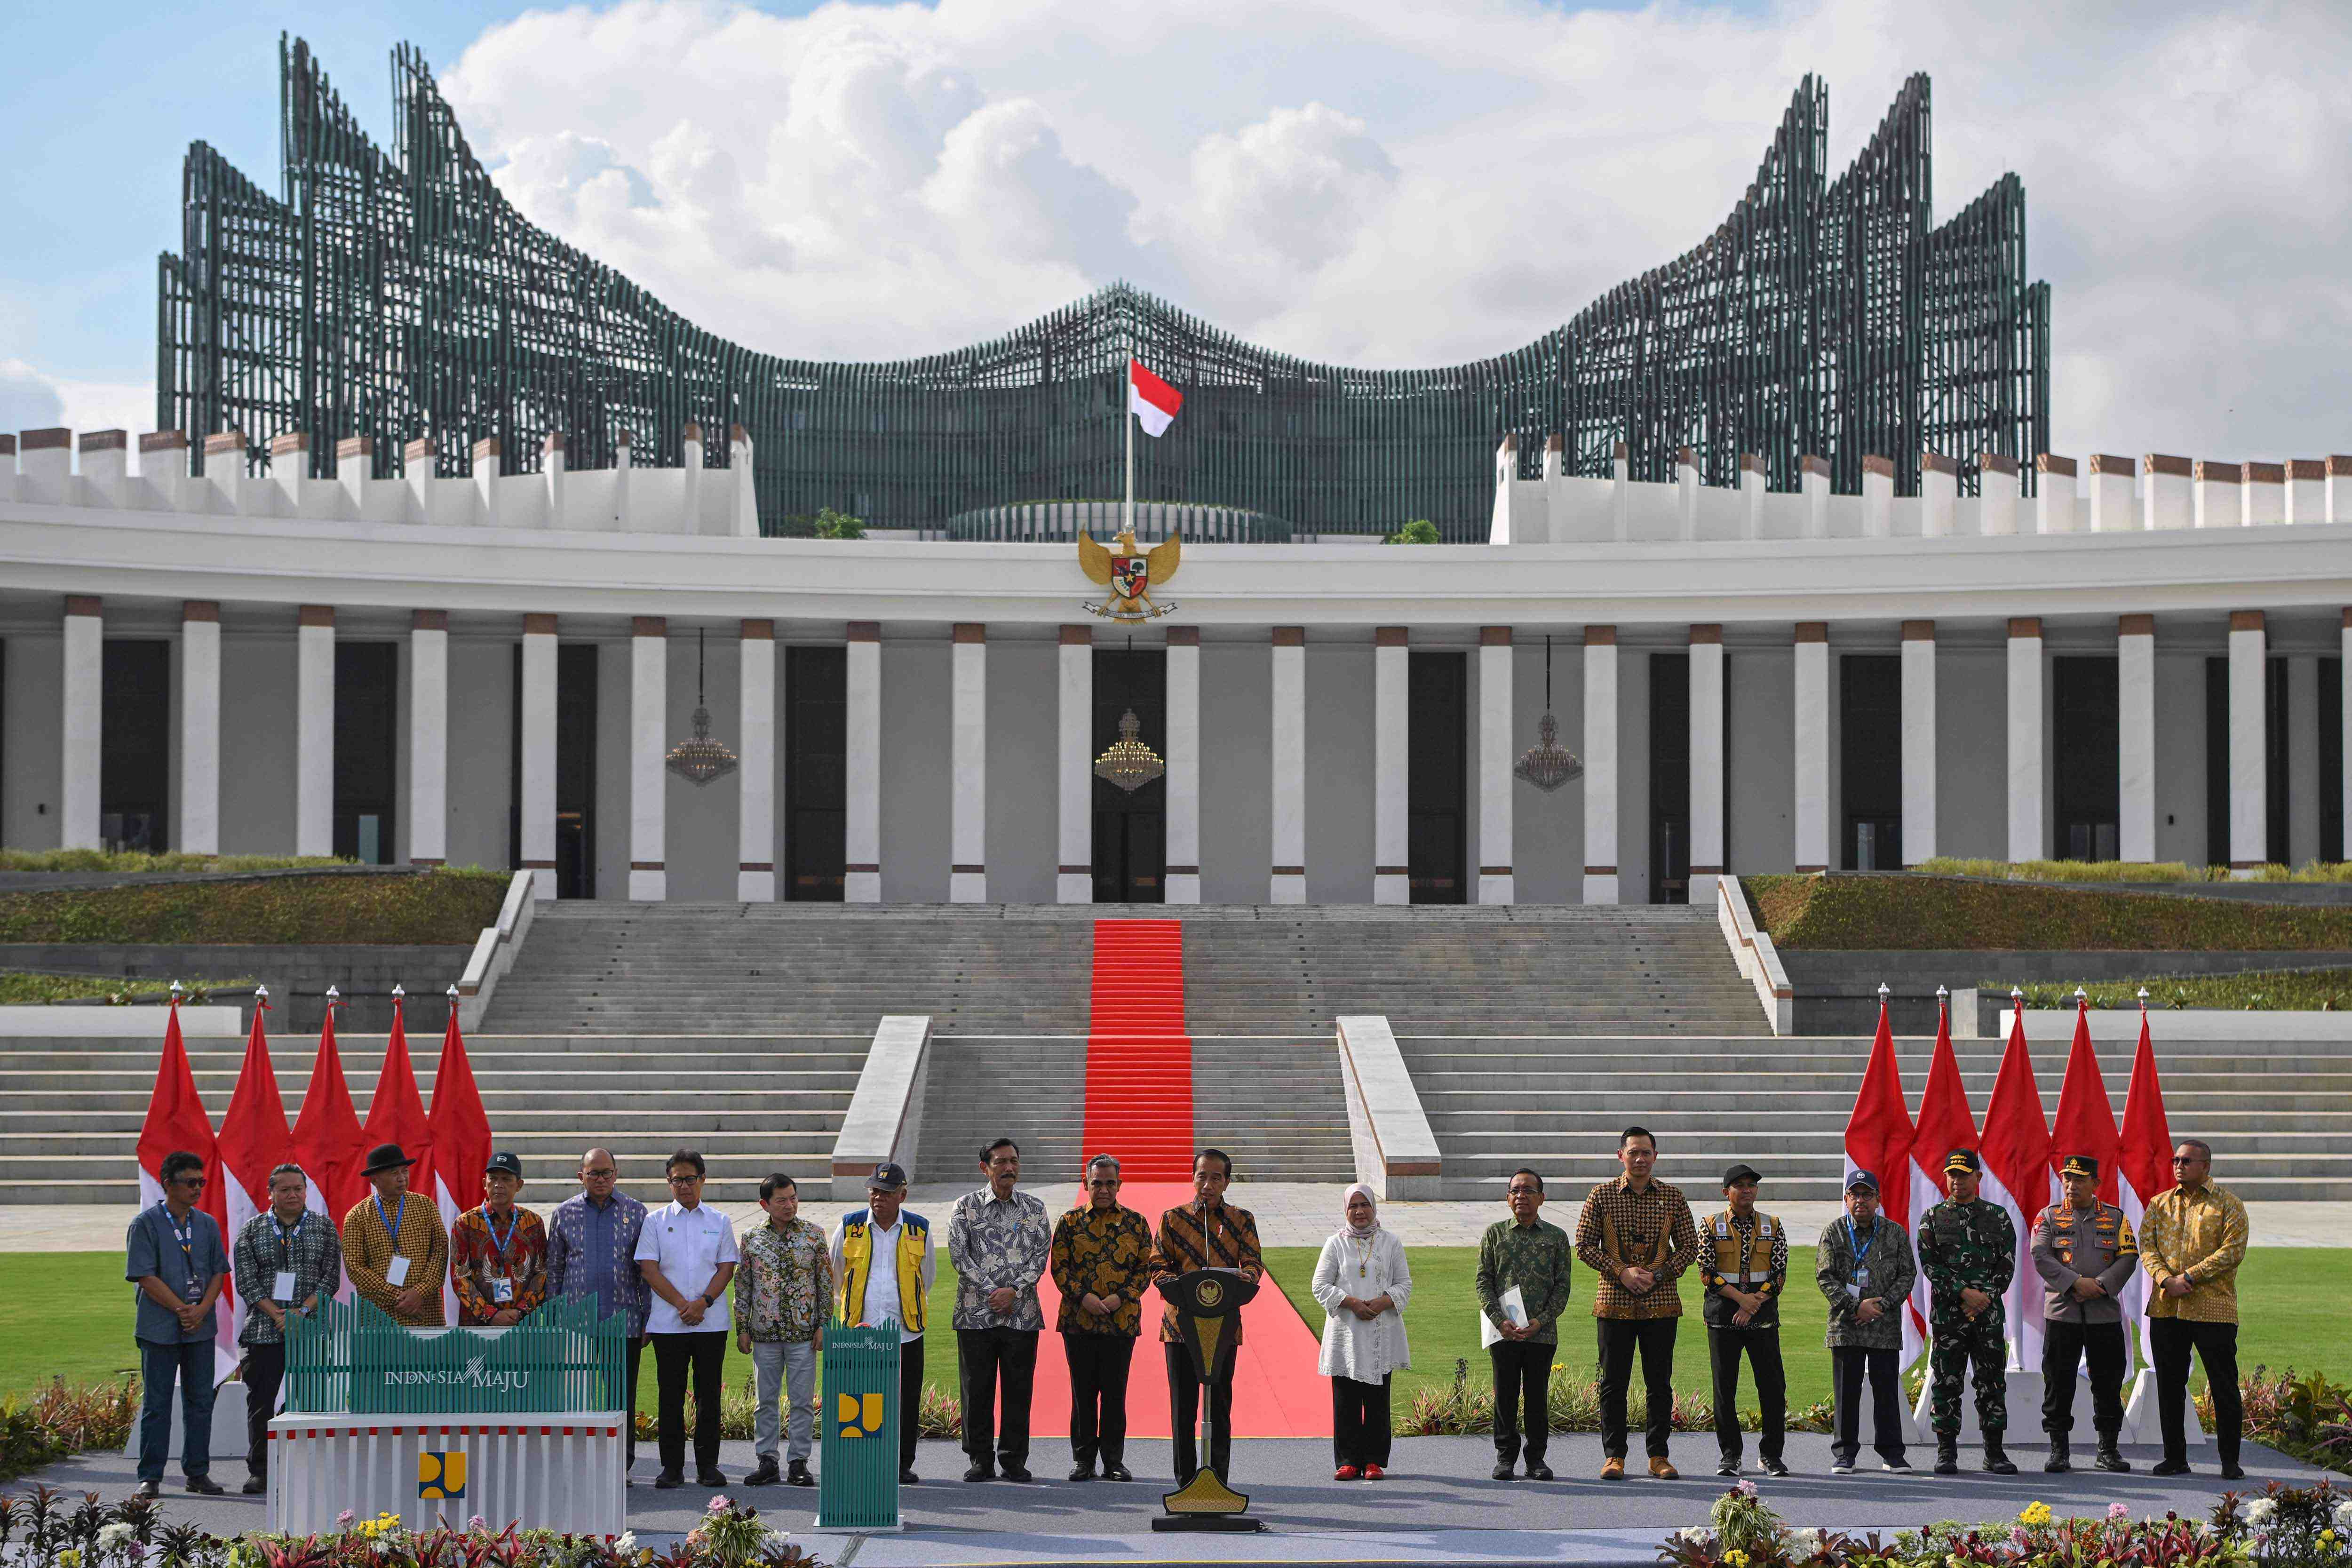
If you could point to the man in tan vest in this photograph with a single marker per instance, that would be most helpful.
(1744, 1261)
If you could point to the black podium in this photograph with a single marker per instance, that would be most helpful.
(1208, 1303)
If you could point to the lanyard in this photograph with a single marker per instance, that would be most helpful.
(184, 1235)
(392, 1225)
(286, 1239)
(514, 1219)
(1860, 1249)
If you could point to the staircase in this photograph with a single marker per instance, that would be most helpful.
(1277, 1105)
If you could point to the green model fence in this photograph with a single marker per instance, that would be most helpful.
(352, 1359)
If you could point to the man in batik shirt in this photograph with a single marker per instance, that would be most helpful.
(783, 1289)
(1102, 1266)
(998, 1241)
(592, 1248)
(498, 1253)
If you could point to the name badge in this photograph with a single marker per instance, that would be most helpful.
(395, 1273)
(1862, 1276)
(281, 1287)
(191, 1291)
(501, 1289)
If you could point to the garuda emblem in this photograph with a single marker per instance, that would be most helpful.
(1129, 572)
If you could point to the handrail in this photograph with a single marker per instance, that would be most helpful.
(886, 1112)
(1396, 1152)
(1752, 950)
(495, 950)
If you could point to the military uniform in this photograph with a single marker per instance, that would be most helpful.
(2070, 1244)
(1967, 1246)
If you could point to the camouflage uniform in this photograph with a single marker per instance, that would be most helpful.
(1961, 1246)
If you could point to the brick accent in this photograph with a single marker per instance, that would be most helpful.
(315, 616)
(2051, 463)
(1994, 463)
(1075, 870)
(8, 444)
(862, 866)
(536, 624)
(1686, 458)
(965, 870)
(164, 441)
(736, 435)
(759, 631)
(2025, 626)
(1812, 631)
(1289, 636)
(1601, 870)
(1936, 463)
(693, 432)
(1292, 870)
(648, 865)
(1389, 637)
(1494, 636)
(1751, 462)
(2305, 468)
(2160, 463)
(1183, 636)
(2218, 473)
(2265, 473)
(863, 631)
(1621, 452)
(227, 441)
(1077, 637)
(1702, 634)
(1918, 631)
(648, 625)
(105, 441)
(971, 631)
(2338, 465)
(1494, 870)
(290, 441)
(2134, 625)
(1556, 442)
(199, 610)
(487, 447)
(421, 451)
(2108, 463)
(355, 447)
(1601, 636)
(555, 443)
(1874, 463)
(2245, 620)
(755, 866)
(1180, 871)
(1392, 870)
(53, 438)
(1810, 464)
(429, 620)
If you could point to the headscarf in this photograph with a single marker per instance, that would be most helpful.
(1368, 1232)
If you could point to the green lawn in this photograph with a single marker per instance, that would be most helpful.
(68, 1314)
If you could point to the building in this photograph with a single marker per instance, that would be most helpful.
(400, 298)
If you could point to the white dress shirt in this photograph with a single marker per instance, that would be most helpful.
(1352, 1348)
(882, 1281)
(688, 1243)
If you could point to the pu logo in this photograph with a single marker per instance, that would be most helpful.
(861, 1417)
(441, 1476)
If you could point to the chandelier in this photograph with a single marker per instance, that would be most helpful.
(699, 760)
(1129, 763)
(1547, 764)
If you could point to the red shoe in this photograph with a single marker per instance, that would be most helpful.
(1344, 1473)
(1374, 1473)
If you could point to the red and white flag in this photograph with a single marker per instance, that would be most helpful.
(1153, 401)
(396, 1112)
(326, 1133)
(175, 1121)
(2143, 1161)
(253, 1139)
(460, 1130)
(2085, 1123)
(1878, 1136)
(2017, 1176)
(1945, 1124)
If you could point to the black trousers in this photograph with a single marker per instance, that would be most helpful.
(1099, 1368)
(1359, 1422)
(263, 1369)
(1620, 1338)
(1762, 1348)
(1522, 1380)
(2170, 1341)
(990, 1357)
(637, 1355)
(1184, 1416)
(1847, 1364)
(675, 1356)
(910, 1400)
(2066, 1346)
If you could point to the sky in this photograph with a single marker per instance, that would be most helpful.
(1375, 183)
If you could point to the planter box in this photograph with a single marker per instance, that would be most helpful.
(71, 1020)
(2120, 1026)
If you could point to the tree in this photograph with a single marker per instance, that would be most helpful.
(832, 524)
(1420, 531)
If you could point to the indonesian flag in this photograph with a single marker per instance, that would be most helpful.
(1945, 1124)
(327, 1134)
(177, 1121)
(2085, 1123)
(1150, 399)
(254, 1141)
(2143, 1161)
(460, 1130)
(2017, 1176)
(1878, 1136)
(396, 1112)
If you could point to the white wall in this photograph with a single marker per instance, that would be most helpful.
(29, 785)
(916, 778)
(1236, 767)
(257, 756)
(1023, 721)
(1760, 771)
(1548, 830)
(1971, 750)
(1339, 772)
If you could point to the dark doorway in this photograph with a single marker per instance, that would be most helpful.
(2088, 766)
(1670, 778)
(575, 770)
(816, 773)
(1870, 760)
(2217, 760)
(1437, 778)
(2331, 760)
(1130, 826)
(134, 744)
(367, 756)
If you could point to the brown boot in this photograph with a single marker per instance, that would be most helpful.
(1613, 1469)
(1662, 1470)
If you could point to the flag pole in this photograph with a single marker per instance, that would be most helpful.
(1127, 416)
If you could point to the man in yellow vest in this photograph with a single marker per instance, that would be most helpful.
(882, 1256)
(1744, 1260)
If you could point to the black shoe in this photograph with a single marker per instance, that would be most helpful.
(709, 1478)
(2233, 1471)
(1840, 1466)
(1504, 1469)
(1996, 1462)
(668, 1481)
(1118, 1473)
(1537, 1470)
(907, 1477)
(2109, 1459)
(1775, 1467)
(1016, 1473)
(798, 1474)
(2169, 1466)
(1948, 1457)
(1897, 1466)
(205, 1485)
(2060, 1461)
(151, 1489)
(1082, 1472)
(766, 1475)
(255, 1486)
(981, 1470)
(1726, 1467)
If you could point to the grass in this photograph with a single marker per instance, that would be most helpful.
(39, 990)
(170, 861)
(2270, 991)
(445, 907)
(1941, 914)
(2130, 871)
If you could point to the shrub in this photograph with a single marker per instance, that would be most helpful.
(1420, 531)
(1463, 1408)
(172, 860)
(42, 990)
(446, 908)
(1936, 914)
(2266, 991)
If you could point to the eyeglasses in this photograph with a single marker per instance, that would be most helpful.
(2188, 1159)
(189, 1181)
(685, 1179)
(602, 1173)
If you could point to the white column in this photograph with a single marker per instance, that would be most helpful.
(2027, 832)
(82, 700)
(1706, 763)
(314, 730)
(2114, 506)
(1601, 764)
(862, 766)
(2053, 498)
(755, 832)
(1918, 742)
(1074, 882)
(1183, 760)
(428, 739)
(1391, 758)
(200, 717)
(1996, 494)
(648, 785)
(968, 766)
(1686, 492)
(2136, 737)
(538, 786)
(1498, 883)
(1286, 882)
(2344, 645)
(2249, 769)
(1814, 480)
(2165, 491)
(1812, 746)
(1751, 491)
(1877, 497)
(1939, 494)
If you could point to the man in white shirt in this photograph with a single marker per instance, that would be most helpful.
(882, 1256)
(687, 1254)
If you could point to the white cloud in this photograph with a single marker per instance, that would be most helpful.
(31, 399)
(1388, 182)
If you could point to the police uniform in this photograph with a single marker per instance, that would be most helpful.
(2070, 1244)
(1965, 1246)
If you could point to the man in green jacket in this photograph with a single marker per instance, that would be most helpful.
(1863, 1268)
(1522, 1284)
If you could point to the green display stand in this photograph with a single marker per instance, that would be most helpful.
(857, 1489)
(350, 1358)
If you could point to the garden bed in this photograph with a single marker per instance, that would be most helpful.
(1920, 913)
(446, 908)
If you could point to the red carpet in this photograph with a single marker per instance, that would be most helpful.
(1140, 1108)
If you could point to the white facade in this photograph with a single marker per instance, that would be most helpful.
(1289, 734)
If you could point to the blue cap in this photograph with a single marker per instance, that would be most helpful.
(1860, 1179)
(888, 1177)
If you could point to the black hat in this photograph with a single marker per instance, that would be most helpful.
(888, 1177)
(505, 1159)
(384, 1157)
(1962, 1160)
(1739, 1173)
(1860, 1179)
(2081, 1165)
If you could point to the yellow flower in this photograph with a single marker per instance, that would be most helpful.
(1735, 1559)
(69, 1557)
(2035, 1513)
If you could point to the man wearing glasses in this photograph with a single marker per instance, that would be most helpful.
(2192, 1241)
(1102, 1266)
(687, 1253)
(174, 1254)
(591, 1251)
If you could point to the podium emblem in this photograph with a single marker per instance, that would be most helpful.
(860, 1414)
(441, 1476)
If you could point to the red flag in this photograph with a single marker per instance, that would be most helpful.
(2017, 1176)
(254, 1139)
(1153, 401)
(2085, 1123)
(327, 1134)
(175, 1121)
(1945, 1124)
(2143, 1161)
(396, 1112)
(461, 1137)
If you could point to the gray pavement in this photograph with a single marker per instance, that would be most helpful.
(1438, 1505)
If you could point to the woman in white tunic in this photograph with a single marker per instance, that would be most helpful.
(1362, 1283)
